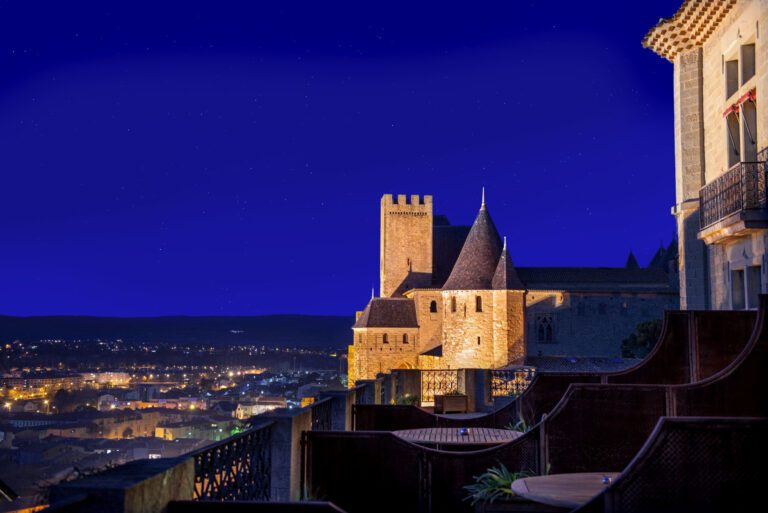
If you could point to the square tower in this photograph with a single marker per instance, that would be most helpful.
(406, 243)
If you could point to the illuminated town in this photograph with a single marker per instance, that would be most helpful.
(315, 258)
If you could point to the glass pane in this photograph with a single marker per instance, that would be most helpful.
(737, 290)
(747, 62)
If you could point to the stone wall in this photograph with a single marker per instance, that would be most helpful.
(689, 177)
(467, 333)
(742, 25)
(372, 355)
(508, 327)
(589, 324)
(430, 323)
(737, 254)
(406, 243)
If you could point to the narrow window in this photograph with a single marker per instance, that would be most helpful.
(386, 338)
(747, 63)
(581, 309)
(602, 309)
(734, 138)
(749, 130)
(478, 304)
(737, 289)
(453, 304)
(433, 307)
(731, 78)
(405, 338)
(478, 341)
(359, 339)
(544, 328)
(754, 285)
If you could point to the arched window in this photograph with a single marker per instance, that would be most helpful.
(544, 328)
(478, 304)
(386, 339)
(453, 304)
(433, 307)
(405, 338)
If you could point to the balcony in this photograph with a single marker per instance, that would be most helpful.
(734, 204)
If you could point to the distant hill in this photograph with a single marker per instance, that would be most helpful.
(271, 330)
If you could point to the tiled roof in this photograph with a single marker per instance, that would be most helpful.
(594, 278)
(578, 364)
(506, 277)
(477, 261)
(388, 312)
(688, 28)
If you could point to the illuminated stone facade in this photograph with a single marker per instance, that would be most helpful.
(720, 77)
(457, 301)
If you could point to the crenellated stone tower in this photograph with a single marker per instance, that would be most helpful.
(406, 244)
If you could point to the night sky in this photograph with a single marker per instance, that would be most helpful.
(229, 159)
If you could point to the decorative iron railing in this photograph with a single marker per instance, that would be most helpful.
(321, 415)
(439, 382)
(743, 187)
(237, 468)
(510, 382)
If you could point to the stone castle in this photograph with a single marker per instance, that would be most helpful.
(450, 297)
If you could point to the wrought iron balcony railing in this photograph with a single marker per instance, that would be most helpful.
(510, 382)
(741, 188)
(441, 381)
(237, 468)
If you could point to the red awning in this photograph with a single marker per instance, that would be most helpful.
(732, 109)
(748, 96)
(751, 96)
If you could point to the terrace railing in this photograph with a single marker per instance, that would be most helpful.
(437, 382)
(594, 428)
(510, 382)
(743, 187)
(321, 414)
(238, 468)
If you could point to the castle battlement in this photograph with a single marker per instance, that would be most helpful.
(403, 201)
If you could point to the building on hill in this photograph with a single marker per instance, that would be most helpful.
(721, 147)
(451, 297)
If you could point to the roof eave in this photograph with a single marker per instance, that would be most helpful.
(689, 28)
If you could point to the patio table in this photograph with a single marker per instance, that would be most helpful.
(453, 436)
(563, 490)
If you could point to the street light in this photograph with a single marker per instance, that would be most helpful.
(8, 405)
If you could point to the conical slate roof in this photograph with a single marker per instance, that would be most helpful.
(476, 265)
(506, 277)
(672, 250)
(631, 262)
(659, 260)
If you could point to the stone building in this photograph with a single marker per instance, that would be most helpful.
(452, 298)
(720, 59)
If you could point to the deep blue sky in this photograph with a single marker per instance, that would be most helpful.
(227, 158)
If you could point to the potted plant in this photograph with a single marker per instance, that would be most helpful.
(451, 401)
(492, 492)
(408, 399)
